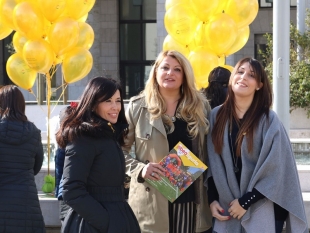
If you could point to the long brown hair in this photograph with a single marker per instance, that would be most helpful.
(98, 89)
(260, 106)
(12, 104)
(192, 103)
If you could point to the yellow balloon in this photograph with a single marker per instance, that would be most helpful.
(181, 23)
(204, 9)
(58, 60)
(200, 38)
(171, 3)
(63, 35)
(86, 36)
(76, 64)
(5, 30)
(220, 7)
(240, 41)
(19, 40)
(221, 60)
(83, 18)
(228, 67)
(203, 61)
(242, 11)
(78, 8)
(35, 2)
(52, 9)
(29, 20)
(6, 12)
(39, 55)
(46, 25)
(221, 33)
(171, 44)
(19, 72)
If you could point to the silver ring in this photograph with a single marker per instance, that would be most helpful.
(152, 174)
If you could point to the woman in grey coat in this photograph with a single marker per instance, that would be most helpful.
(94, 168)
(21, 157)
(253, 183)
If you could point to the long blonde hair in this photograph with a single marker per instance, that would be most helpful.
(192, 104)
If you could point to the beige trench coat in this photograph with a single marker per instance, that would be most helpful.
(151, 145)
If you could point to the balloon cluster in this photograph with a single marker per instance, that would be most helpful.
(47, 33)
(206, 32)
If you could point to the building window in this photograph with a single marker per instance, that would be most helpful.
(138, 43)
(260, 45)
(265, 3)
(7, 51)
(269, 3)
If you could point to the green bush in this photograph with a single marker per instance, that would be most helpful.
(299, 68)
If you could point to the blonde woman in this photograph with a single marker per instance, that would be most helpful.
(169, 110)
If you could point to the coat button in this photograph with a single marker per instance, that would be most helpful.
(147, 136)
(147, 189)
(147, 161)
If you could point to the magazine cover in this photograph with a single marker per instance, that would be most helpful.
(182, 169)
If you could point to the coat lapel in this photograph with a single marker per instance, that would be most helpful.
(158, 124)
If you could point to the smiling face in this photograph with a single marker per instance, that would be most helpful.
(244, 83)
(110, 108)
(169, 74)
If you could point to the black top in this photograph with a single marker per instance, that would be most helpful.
(180, 134)
(93, 181)
(248, 198)
(21, 157)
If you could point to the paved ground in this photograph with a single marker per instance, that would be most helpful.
(57, 230)
(52, 229)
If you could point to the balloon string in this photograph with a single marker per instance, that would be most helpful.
(62, 93)
(48, 100)
(31, 92)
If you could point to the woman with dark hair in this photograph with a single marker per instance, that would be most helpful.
(94, 169)
(216, 92)
(21, 157)
(253, 183)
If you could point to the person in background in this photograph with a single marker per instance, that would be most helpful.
(21, 158)
(59, 164)
(169, 110)
(94, 169)
(216, 91)
(253, 183)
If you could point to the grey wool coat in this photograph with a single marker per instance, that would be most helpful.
(21, 157)
(270, 168)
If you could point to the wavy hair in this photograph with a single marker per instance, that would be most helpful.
(98, 89)
(260, 106)
(192, 103)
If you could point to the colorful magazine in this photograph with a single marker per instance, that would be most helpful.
(182, 169)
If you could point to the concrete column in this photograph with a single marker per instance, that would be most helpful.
(281, 43)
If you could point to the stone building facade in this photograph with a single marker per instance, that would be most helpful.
(117, 52)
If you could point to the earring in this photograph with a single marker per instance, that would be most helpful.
(257, 89)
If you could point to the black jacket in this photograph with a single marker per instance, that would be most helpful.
(93, 179)
(21, 157)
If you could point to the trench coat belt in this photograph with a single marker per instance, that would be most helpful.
(107, 193)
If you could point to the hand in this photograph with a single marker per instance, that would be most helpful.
(236, 210)
(153, 171)
(217, 211)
